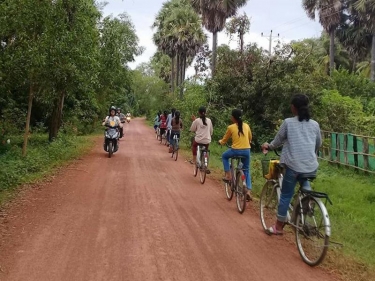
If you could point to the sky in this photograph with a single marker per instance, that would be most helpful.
(284, 17)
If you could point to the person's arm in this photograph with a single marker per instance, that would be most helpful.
(105, 121)
(180, 124)
(226, 137)
(193, 127)
(280, 137)
(211, 128)
(250, 136)
(318, 140)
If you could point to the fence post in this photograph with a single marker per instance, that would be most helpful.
(338, 149)
(346, 149)
(365, 156)
(355, 149)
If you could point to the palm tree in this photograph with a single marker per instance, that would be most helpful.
(179, 35)
(329, 17)
(214, 15)
(366, 11)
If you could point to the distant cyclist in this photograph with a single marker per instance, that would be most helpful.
(176, 125)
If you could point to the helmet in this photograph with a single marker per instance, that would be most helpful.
(112, 108)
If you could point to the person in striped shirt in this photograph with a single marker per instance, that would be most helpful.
(301, 139)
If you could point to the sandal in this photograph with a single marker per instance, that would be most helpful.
(273, 231)
(248, 198)
(226, 180)
(208, 172)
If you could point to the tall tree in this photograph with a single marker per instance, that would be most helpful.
(214, 15)
(366, 9)
(330, 12)
(179, 34)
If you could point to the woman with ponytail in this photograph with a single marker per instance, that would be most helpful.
(203, 129)
(241, 138)
(301, 139)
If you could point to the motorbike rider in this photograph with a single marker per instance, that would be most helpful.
(122, 120)
(111, 117)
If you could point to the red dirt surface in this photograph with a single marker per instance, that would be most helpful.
(139, 216)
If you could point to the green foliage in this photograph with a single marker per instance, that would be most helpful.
(41, 159)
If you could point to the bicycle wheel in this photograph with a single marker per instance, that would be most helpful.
(268, 204)
(311, 237)
(229, 190)
(161, 138)
(202, 169)
(240, 192)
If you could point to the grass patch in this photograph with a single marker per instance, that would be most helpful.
(42, 158)
(351, 215)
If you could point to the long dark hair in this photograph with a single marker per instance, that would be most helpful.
(301, 103)
(202, 114)
(165, 114)
(237, 115)
(173, 111)
(177, 117)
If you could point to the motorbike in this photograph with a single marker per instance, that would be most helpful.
(112, 135)
(128, 119)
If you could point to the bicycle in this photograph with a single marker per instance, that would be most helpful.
(237, 184)
(308, 216)
(175, 147)
(202, 162)
(157, 133)
(167, 135)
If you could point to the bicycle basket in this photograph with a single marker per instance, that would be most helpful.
(269, 168)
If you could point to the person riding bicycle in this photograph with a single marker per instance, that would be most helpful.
(240, 133)
(176, 125)
(122, 120)
(203, 129)
(169, 126)
(163, 123)
(128, 114)
(157, 121)
(301, 139)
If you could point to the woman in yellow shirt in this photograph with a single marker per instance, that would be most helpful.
(241, 138)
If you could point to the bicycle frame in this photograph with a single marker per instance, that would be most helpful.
(205, 155)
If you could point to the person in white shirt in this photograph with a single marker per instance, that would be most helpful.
(203, 129)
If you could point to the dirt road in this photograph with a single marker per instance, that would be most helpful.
(139, 216)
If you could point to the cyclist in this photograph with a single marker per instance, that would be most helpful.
(301, 139)
(121, 116)
(240, 133)
(157, 121)
(176, 125)
(203, 129)
(163, 123)
(169, 126)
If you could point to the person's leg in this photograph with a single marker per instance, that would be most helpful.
(194, 150)
(226, 156)
(287, 192)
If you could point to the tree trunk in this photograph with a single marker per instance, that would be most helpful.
(178, 70)
(241, 42)
(173, 74)
(332, 52)
(27, 128)
(354, 63)
(214, 53)
(183, 69)
(56, 118)
(373, 59)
